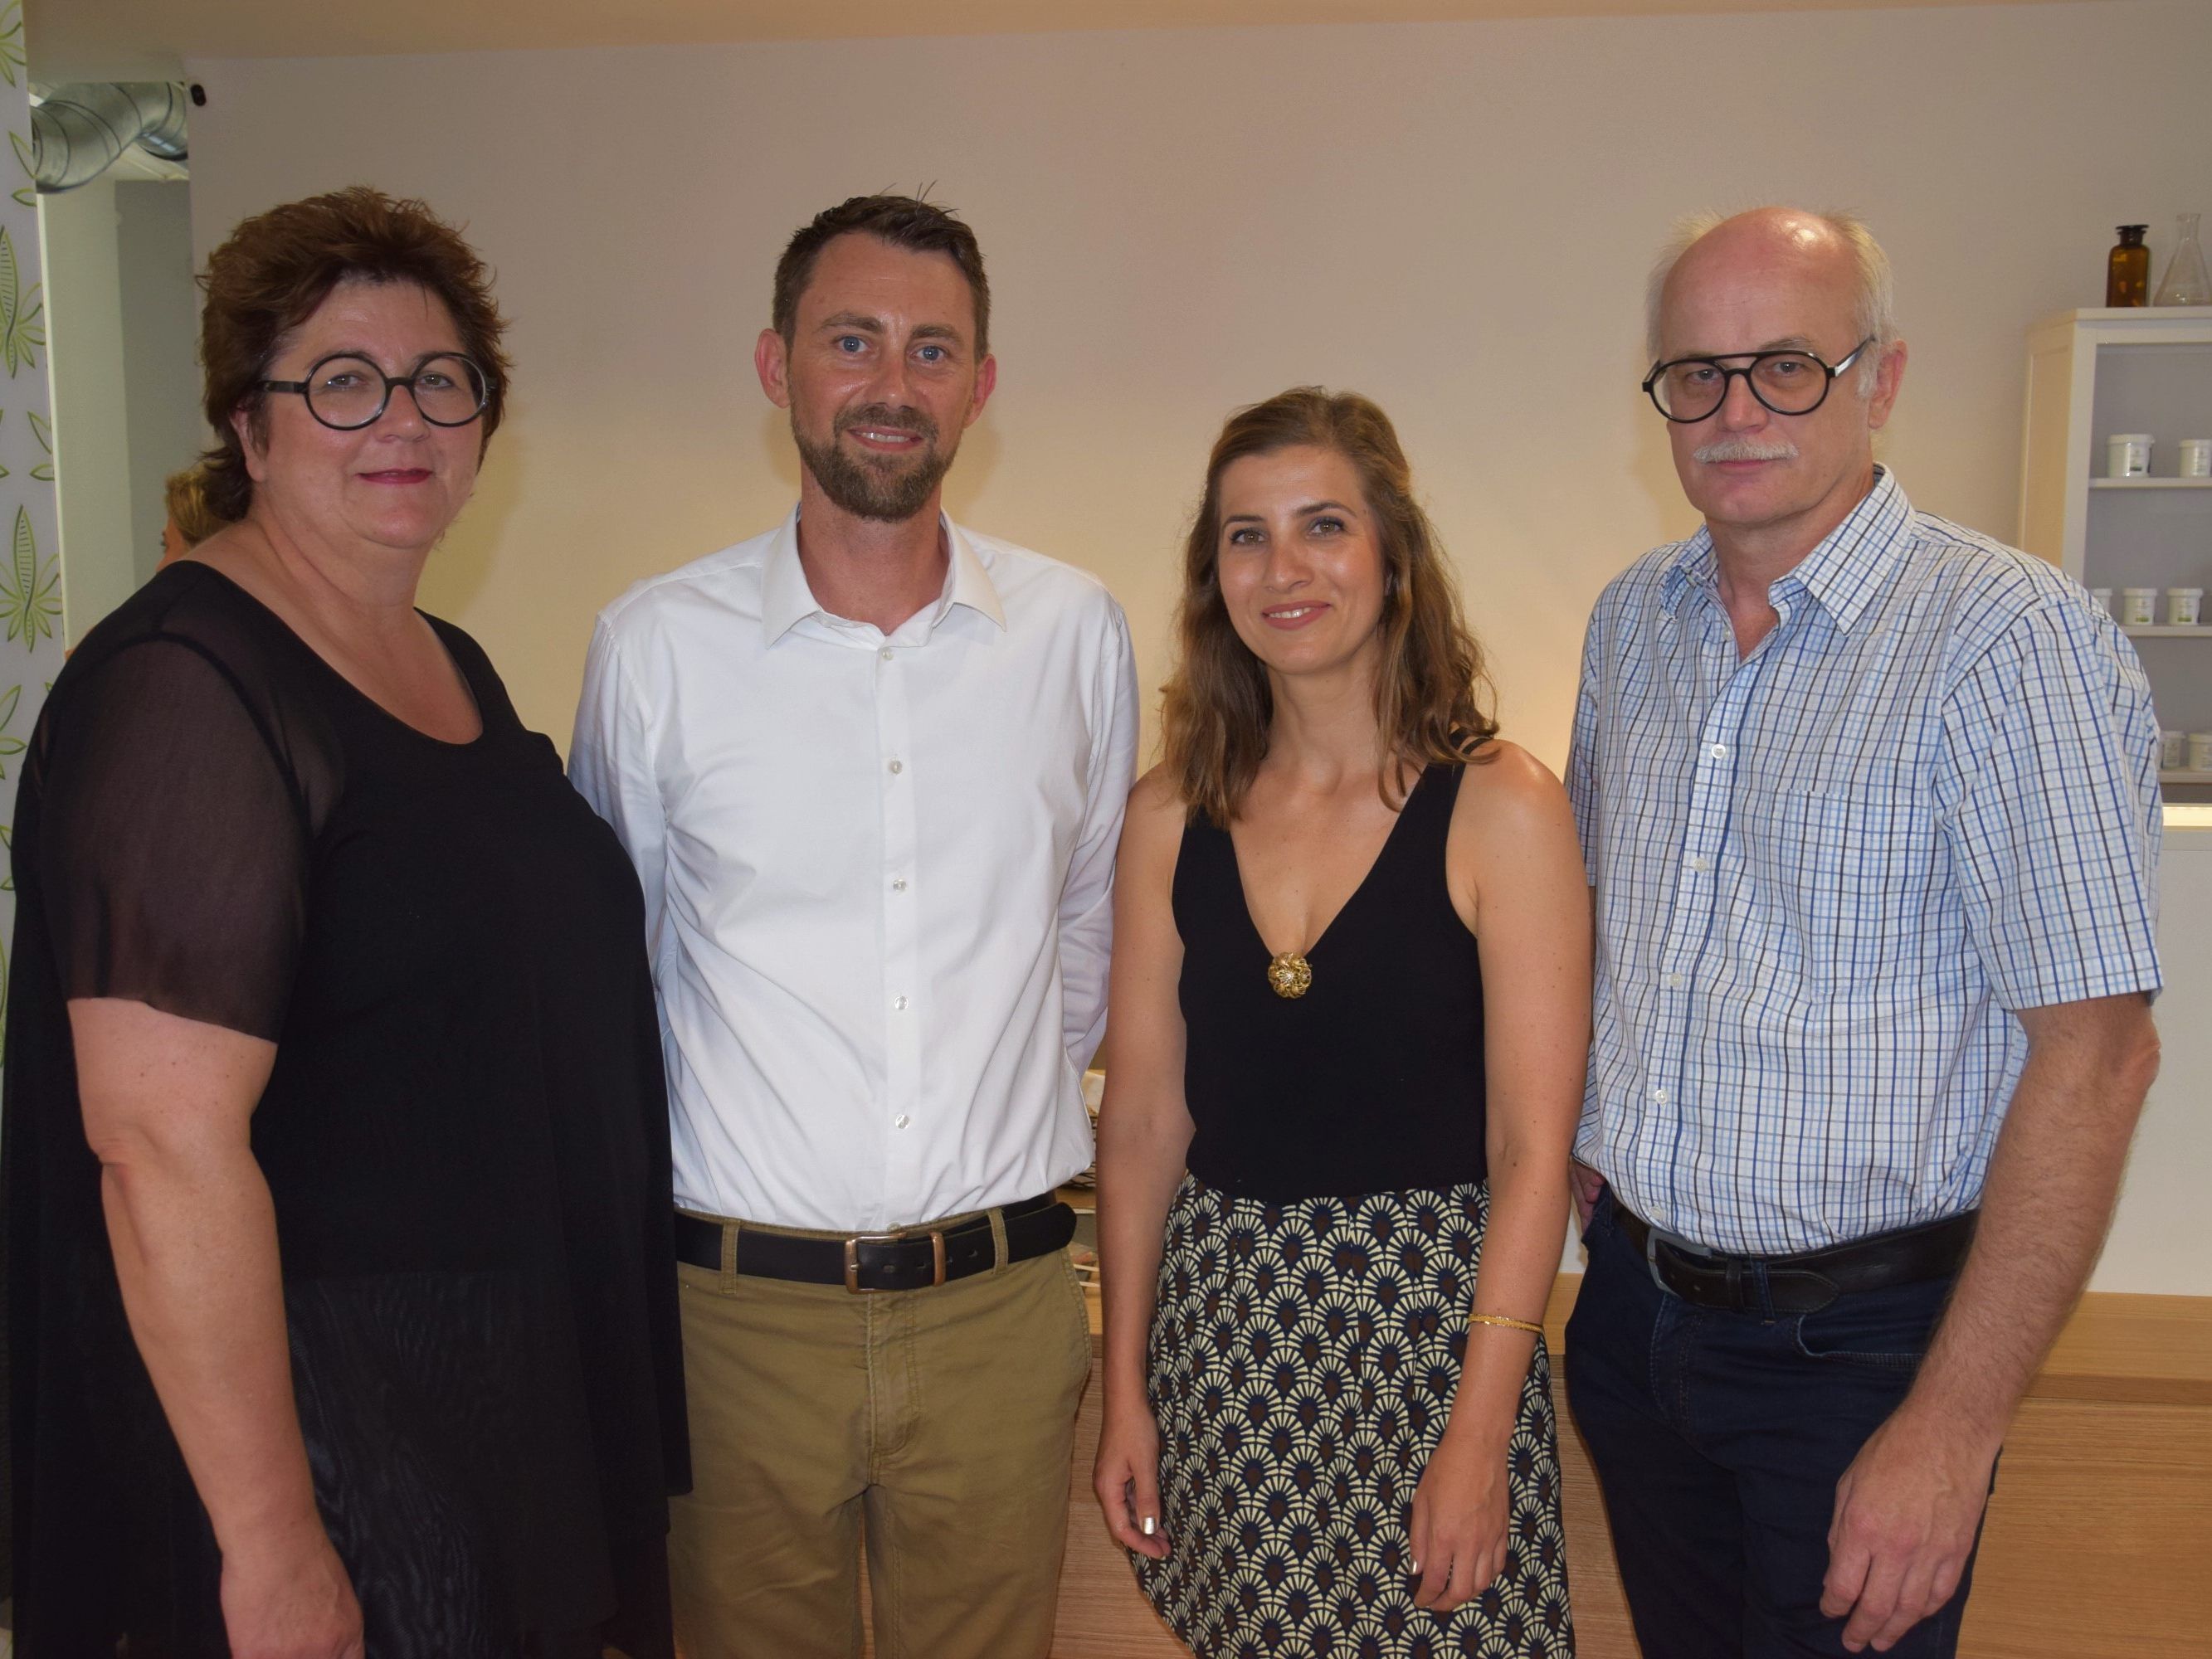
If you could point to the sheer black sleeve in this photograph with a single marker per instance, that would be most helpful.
(174, 856)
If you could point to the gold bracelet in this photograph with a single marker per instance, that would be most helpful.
(1510, 1324)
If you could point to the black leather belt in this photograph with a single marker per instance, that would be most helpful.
(913, 1259)
(1808, 1281)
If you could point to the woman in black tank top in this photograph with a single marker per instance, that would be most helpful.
(1351, 1004)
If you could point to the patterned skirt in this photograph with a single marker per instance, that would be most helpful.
(1303, 1361)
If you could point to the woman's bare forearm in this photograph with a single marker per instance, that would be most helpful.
(1140, 1164)
(168, 1106)
(195, 1243)
(1520, 1262)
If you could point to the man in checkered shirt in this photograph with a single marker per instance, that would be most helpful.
(1871, 807)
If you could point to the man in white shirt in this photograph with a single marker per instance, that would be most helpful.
(872, 767)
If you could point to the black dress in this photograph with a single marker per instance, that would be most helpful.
(1317, 1273)
(466, 1137)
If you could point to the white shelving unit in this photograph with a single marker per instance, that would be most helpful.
(2091, 374)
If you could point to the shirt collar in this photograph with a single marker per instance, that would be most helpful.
(1844, 575)
(786, 599)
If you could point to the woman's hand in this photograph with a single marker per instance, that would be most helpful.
(291, 1601)
(1126, 1479)
(1459, 1522)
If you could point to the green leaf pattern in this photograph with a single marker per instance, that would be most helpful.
(11, 43)
(30, 563)
(20, 332)
(26, 194)
(30, 596)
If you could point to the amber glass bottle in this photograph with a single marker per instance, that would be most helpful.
(2127, 270)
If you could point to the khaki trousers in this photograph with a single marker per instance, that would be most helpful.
(944, 1417)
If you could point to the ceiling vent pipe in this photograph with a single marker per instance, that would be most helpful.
(78, 130)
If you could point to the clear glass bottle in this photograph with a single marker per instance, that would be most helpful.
(2127, 268)
(2186, 282)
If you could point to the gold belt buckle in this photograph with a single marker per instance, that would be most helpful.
(853, 1258)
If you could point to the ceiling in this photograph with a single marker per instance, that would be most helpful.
(150, 40)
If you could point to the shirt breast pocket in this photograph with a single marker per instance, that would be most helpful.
(1849, 872)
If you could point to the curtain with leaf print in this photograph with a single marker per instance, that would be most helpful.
(30, 563)
(30, 560)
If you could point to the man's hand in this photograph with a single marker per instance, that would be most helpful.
(1906, 1513)
(1585, 1184)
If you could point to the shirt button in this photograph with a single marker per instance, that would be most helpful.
(1701, 864)
(1674, 982)
(1658, 1096)
(899, 1003)
(898, 767)
(898, 884)
(1718, 750)
(900, 1121)
(885, 653)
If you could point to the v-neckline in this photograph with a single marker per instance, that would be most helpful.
(1244, 897)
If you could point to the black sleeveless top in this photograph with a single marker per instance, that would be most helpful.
(1371, 1082)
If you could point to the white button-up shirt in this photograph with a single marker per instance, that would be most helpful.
(878, 872)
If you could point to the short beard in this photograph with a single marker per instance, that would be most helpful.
(888, 491)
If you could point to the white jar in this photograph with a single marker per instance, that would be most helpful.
(2102, 598)
(2172, 750)
(2138, 607)
(2200, 751)
(2195, 457)
(2127, 455)
(2182, 604)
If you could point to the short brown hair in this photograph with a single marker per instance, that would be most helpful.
(275, 271)
(1431, 692)
(904, 222)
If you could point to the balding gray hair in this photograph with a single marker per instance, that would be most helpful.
(1874, 312)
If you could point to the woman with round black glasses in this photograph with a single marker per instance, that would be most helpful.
(341, 1312)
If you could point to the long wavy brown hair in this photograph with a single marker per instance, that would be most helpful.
(1431, 695)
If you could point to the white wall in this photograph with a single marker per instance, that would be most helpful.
(92, 426)
(1454, 218)
(161, 344)
(125, 319)
(2157, 1242)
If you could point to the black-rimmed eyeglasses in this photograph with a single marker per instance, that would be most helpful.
(1788, 382)
(346, 392)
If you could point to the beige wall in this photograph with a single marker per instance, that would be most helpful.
(1454, 219)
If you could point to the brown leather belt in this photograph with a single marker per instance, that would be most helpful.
(1806, 1282)
(911, 1259)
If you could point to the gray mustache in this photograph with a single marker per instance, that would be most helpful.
(1745, 449)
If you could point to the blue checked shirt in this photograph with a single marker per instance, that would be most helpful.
(1828, 872)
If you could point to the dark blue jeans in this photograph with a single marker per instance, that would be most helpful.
(1718, 1439)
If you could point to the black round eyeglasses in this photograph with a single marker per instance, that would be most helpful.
(346, 392)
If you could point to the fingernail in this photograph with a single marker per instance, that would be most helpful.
(1417, 1566)
(1151, 1525)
